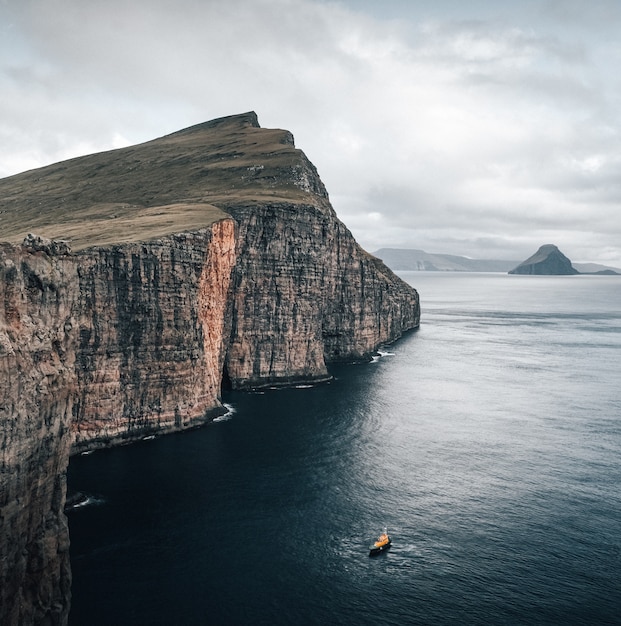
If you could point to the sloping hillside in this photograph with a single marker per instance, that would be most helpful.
(176, 183)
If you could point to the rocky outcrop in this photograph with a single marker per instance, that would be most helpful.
(96, 348)
(366, 305)
(38, 339)
(548, 260)
(152, 335)
(305, 294)
(209, 255)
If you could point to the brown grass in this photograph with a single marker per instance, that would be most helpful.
(180, 182)
(110, 224)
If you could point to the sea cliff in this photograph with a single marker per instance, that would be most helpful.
(152, 335)
(37, 391)
(159, 273)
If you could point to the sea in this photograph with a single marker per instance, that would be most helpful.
(487, 442)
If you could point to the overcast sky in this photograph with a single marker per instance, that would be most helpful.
(481, 128)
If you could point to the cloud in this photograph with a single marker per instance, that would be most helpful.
(480, 128)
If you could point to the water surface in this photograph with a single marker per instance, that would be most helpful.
(488, 442)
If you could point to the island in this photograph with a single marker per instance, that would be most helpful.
(548, 260)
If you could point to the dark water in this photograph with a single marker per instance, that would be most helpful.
(488, 442)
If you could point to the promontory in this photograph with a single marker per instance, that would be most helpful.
(134, 284)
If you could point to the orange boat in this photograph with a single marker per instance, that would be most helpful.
(382, 543)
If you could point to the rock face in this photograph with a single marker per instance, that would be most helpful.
(96, 348)
(305, 294)
(548, 260)
(211, 255)
(38, 339)
(152, 335)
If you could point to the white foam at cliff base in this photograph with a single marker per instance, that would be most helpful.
(230, 411)
(86, 501)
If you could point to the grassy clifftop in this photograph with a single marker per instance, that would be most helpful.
(183, 181)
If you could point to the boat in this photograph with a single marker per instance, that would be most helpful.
(381, 543)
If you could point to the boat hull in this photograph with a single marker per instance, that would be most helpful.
(375, 550)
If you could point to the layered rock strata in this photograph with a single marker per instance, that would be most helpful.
(96, 348)
(305, 294)
(38, 338)
(152, 335)
(209, 255)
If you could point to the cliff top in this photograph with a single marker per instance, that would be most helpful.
(179, 182)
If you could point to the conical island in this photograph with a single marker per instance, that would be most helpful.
(548, 260)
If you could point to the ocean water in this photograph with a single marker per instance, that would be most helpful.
(488, 442)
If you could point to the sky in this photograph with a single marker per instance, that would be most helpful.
(480, 128)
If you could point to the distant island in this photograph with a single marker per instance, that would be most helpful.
(547, 261)
(413, 260)
(550, 261)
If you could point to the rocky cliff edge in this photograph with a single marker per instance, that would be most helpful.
(159, 271)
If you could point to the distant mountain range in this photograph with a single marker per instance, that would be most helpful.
(399, 259)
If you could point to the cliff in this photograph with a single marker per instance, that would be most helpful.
(548, 260)
(158, 273)
(152, 335)
(302, 292)
(305, 294)
(37, 391)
